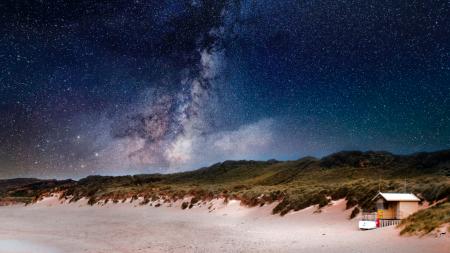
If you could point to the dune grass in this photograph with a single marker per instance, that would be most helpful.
(427, 220)
(294, 185)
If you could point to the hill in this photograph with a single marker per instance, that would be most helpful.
(353, 175)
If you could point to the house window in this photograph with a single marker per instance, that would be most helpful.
(380, 204)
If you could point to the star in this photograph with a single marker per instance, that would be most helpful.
(155, 86)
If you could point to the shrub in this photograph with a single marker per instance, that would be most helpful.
(323, 201)
(92, 201)
(281, 206)
(355, 212)
(194, 200)
(145, 201)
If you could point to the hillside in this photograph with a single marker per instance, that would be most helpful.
(355, 176)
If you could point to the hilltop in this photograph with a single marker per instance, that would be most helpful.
(293, 185)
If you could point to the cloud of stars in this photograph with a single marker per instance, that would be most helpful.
(124, 87)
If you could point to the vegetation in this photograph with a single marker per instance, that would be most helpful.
(27, 190)
(294, 185)
(427, 220)
(355, 212)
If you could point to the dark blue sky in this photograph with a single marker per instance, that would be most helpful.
(122, 87)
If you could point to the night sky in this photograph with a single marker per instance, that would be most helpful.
(124, 87)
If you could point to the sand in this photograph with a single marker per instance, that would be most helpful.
(51, 227)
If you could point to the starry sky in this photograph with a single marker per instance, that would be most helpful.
(125, 87)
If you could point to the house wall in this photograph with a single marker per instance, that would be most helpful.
(406, 208)
(390, 212)
(389, 208)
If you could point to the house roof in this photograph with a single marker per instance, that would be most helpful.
(398, 196)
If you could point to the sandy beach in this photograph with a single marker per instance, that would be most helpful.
(52, 227)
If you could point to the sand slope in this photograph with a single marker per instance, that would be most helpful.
(51, 227)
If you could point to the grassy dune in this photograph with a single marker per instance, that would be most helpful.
(355, 176)
(427, 220)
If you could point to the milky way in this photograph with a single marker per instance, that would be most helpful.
(124, 87)
(172, 124)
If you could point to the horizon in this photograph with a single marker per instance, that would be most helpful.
(220, 162)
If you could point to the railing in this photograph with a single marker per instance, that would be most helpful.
(390, 222)
(366, 216)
